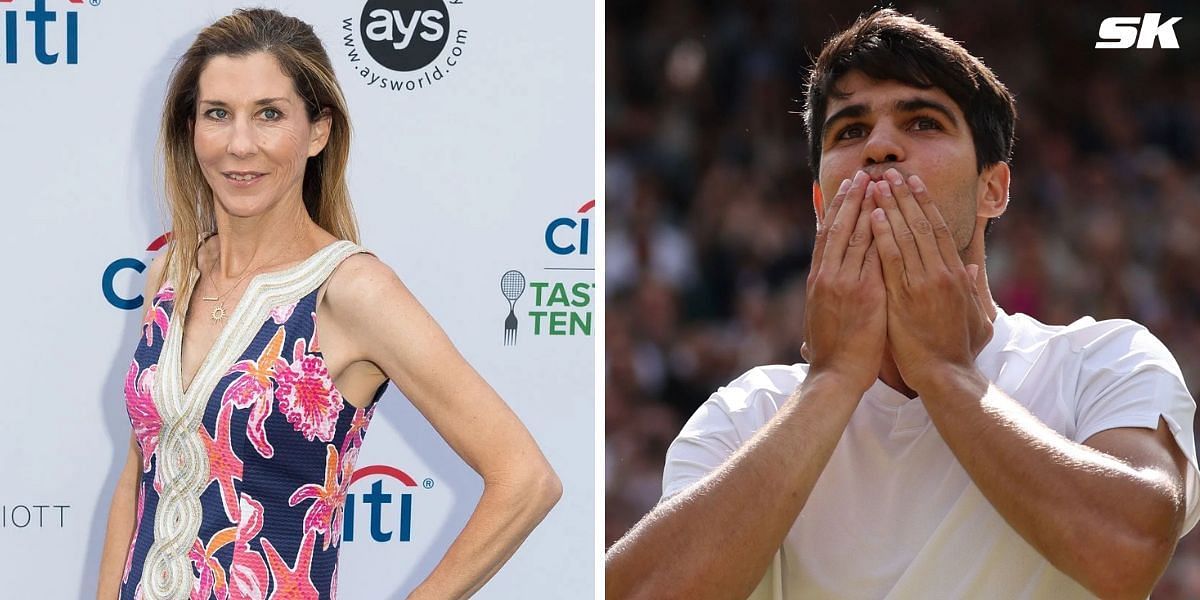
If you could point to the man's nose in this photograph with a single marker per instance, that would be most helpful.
(883, 145)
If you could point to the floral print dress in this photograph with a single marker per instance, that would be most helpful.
(245, 473)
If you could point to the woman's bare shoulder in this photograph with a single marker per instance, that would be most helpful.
(362, 283)
(155, 274)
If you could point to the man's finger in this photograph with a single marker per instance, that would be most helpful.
(860, 238)
(823, 223)
(890, 259)
(917, 221)
(842, 224)
(972, 281)
(835, 207)
(902, 236)
(947, 247)
(870, 267)
(974, 272)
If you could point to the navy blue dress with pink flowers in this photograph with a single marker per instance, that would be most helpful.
(244, 473)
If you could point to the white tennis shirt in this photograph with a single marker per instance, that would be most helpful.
(894, 515)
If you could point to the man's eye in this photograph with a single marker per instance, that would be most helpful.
(925, 123)
(852, 131)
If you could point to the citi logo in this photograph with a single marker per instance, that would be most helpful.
(1122, 32)
(40, 21)
(577, 241)
(107, 280)
(389, 511)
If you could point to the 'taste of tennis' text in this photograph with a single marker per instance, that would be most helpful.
(562, 310)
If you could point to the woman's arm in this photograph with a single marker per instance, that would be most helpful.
(121, 516)
(122, 513)
(388, 327)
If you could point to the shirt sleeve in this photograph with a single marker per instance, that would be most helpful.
(1128, 378)
(730, 417)
(707, 440)
(721, 425)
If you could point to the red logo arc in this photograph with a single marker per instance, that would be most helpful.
(159, 241)
(385, 470)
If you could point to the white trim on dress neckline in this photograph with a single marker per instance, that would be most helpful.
(182, 463)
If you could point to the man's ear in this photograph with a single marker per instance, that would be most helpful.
(992, 199)
(818, 202)
(320, 133)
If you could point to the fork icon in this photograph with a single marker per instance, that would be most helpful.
(512, 285)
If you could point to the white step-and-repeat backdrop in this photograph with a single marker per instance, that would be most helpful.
(477, 163)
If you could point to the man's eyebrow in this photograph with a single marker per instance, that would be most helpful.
(259, 102)
(852, 111)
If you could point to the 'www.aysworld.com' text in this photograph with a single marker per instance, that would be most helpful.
(426, 78)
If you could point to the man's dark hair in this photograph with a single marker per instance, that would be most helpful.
(887, 45)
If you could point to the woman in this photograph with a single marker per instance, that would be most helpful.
(246, 427)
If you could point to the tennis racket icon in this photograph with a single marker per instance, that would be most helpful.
(512, 285)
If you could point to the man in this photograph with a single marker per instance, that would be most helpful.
(933, 446)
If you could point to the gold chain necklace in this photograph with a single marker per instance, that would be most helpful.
(219, 313)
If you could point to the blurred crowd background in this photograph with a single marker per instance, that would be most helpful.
(710, 221)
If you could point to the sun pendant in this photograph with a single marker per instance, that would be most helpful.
(218, 313)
